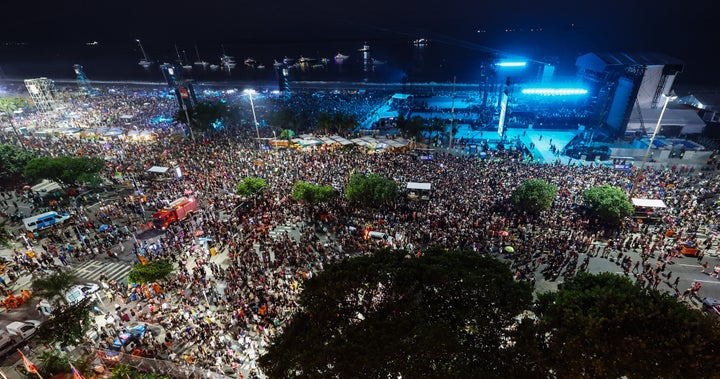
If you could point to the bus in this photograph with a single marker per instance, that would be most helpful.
(44, 220)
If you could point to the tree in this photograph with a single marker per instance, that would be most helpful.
(150, 272)
(324, 122)
(124, 371)
(54, 286)
(610, 204)
(67, 324)
(604, 326)
(312, 193)
(411, 128)
(371, 190)
(442, 315)
(250, 186)
(65, 170)
(13, 161)
(534, 196)
(203, 115)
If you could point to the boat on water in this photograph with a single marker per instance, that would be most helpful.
(288, 61)
(340, 58)
(376, 62)
(145, 62)
(420, 42)
(180, 61)
(250, 62)
(199, 61)
(227, 61)
(324, 60)
(261, 67)
(214, 67)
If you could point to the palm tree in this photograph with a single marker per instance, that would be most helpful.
(324, 122)
(53, 287)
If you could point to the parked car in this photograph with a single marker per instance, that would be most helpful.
(79, 292)
(23, 329)
(711, 306)
(133, 335)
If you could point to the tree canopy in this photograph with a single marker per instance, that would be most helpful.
(13, 161)
(203, 116)
(67, 323)
(604, 326)
(371, 190)
(442, 315)
(54, 286)
(65, 170)
(312, 193)
(251, 186)
(9, 104)
(610, 204)
(534, 196)
(150, 272)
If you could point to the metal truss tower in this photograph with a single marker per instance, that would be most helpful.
(42, 93)
(82, 79)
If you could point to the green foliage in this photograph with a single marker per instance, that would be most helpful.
(250, 186)
(151, 272)
(442, 315)
(124, 371)
(54, 286)
(67, 324)
(610, 204)
(604, 326)
(52, 363)
(203, 115)
(66, 170)
(287, 134)
(10, 104)
(411, 128)
(312, 193)
(534, 196)
(371, 190)
(12, 161)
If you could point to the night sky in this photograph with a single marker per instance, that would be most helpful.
(685, 30)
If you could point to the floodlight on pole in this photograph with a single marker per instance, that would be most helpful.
(10, 117)
(668, 98)
(250, 92)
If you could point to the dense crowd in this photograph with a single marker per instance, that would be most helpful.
(235, 307)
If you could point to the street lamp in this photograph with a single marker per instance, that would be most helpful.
(12, 125)
(668, 98)
(250, 92)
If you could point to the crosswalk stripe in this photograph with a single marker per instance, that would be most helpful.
(92, 270)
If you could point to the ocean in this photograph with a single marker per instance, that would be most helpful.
(442, 60)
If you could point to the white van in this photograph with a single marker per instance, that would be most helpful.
(22, 329)
(44, 220)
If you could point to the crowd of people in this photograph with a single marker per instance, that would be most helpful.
(236, 304)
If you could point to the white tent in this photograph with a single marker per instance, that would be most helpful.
(419, 186)
(651, 203)
(158, 169)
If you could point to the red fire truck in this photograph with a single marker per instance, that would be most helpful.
(177, 211)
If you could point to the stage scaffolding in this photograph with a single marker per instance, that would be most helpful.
(42, 93)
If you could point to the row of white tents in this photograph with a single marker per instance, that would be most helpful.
(369, 142)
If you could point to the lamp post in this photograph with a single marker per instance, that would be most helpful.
(12, 125)
(668, 98)
(250, 92)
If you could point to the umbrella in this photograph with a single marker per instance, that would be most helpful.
(503, 233)
(103, 228)
(198, 233)
(509, 249)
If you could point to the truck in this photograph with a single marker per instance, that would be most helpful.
(176, 211)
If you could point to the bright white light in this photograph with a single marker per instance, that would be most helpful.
(554, 91)
(249, 91)
(511, 64)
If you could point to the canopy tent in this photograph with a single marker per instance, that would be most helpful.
(341, 140)
(419, 186)
(651, 203)
(158, 169)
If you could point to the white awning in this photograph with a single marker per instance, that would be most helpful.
(651, 203)
(158, 169)
(419, 186)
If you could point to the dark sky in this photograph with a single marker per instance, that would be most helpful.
(686, 30)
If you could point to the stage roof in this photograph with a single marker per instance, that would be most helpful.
(158, 169)
(599, 62)
(419, 186)
(652, 203)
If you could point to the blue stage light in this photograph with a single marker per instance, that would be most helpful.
(511, 64)
(554, 91)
